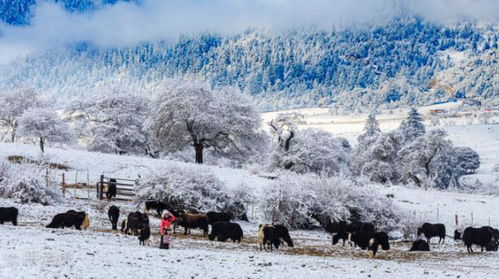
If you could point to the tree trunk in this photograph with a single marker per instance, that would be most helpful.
(13, 136)
(42, 144)
(199, 153)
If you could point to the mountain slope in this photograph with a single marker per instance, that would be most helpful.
(393, 63)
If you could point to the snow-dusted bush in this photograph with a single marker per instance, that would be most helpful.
(184, 187)
(44, 125)
(296, 200)
(28, 183)
(112, 123)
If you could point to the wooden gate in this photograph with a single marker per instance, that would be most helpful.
(124, 187)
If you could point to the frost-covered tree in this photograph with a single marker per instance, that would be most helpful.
(371, 129)
(27, 183)
(13, 104)
(430, 161)
(377, 157)
(413, 126)
(313, 150)
(224, 121)
(468, 160)
(45, 125)
(112, 123)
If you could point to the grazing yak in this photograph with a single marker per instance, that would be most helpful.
(135, 222)
(144, 235)
(484, 236)
(420, 245)
(432, 230)
(225, 230)
(156, 205)
(194, 221)
(457, 235)
(379, 239)
(9, 214)
(111, 189)
(114, 214)
(270, 236)
(214, 217)
(343, 230)
(78, 219)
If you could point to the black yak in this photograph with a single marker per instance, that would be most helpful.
(156, 205)
(378, 239)
(111, 189)
(214, 217)
(71, 218)
(9, 214)
(194, 221)
(420, 245)
(432, 230)
(135, 222)
(343, 230)
(457, 235)
(483, 237)
(114, 214)
(144, 235)
(270, 236)
(225, 230)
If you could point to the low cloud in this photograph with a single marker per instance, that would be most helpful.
(128, 23)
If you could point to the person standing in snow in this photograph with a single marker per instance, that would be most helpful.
(166, 222)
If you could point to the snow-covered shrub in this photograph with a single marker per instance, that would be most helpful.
(296, 200)
(184, 187)
(28, 183)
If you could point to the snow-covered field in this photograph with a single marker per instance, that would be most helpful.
(30, 250)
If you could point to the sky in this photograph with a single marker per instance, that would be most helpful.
(129, 23)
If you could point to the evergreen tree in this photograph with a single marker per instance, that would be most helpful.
(371, 128)
(412, 127)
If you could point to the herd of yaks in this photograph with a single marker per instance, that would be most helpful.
(269, 236)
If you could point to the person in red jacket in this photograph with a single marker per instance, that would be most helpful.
(166, 222)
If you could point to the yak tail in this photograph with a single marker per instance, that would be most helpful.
(86, 222)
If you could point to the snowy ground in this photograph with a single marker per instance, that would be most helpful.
(30, 250)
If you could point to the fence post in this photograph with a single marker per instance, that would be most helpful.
(471, 218)
(457, 220)
(101, 186)
(63, 185)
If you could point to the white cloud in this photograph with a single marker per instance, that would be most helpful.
(128, 23)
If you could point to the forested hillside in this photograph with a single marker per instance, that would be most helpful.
(407, 61)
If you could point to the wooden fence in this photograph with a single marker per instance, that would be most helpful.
(124, 188)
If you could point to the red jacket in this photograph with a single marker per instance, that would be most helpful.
(165, 224)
